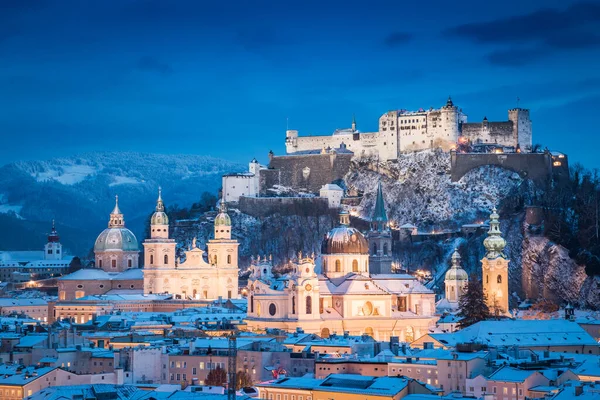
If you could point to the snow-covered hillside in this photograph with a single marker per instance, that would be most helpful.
(79, 191)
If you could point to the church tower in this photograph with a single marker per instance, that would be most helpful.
(495, 268)
(455, 281)
(159, 251)
(53, 249)
(380, 238)
(223, 254)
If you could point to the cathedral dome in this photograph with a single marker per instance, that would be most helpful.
(116, 236)
(222, 218)
(344, 239)
(116, 239)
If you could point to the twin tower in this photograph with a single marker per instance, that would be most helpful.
(194, 278)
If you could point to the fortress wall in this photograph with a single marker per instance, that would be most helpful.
(264, 206)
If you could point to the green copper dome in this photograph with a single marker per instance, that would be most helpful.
(222, 218)
(159, 217)
(494, 243)
(116, 239)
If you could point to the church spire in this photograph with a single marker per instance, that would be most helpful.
(353, 123)
(160, 206)
(494, 243)
(116, 216)
(379, 219)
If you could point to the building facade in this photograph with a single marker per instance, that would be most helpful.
(404, 131)
(343, 297)
(195, 278)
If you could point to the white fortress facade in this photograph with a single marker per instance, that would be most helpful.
(403, 131)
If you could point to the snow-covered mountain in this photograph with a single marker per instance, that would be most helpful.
(79, 192)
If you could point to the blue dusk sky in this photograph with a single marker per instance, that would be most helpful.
(222, 77)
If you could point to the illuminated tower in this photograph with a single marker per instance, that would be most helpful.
(495, 268)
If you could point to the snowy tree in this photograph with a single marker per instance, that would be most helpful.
(472, 305)
(243, 379)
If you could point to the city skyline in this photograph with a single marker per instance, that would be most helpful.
(152, 77)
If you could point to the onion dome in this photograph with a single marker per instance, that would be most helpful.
(344, 239)
(456, 273)
(53, 236)
(222, 218)
(159, 217)
(116, 236)
(494, 243)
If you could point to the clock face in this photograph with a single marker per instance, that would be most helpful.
(308, 287)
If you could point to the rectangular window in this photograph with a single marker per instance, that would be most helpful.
(505, 390)
(194, 371)
(184, 377)
(185, 364)
(178, 377)
(201, 365)
(178, 364)
(172, 364)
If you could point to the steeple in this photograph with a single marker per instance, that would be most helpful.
(223, 222)
(53, 236)
(353, 123)
(116, 217)
(344, 218)
(160, 218)
(494, 243)
(379, 219)
(159, 203)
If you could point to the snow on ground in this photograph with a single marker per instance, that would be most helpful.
(66, 174)
(8, 208)
(124, 180)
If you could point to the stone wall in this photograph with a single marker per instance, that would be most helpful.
(535, 166)
(264, 206)
(501, 133)
(306, 172)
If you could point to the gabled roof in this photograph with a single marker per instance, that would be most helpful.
(510, 374)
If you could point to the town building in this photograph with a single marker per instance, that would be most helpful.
(24, 266)
(344, 296)
(236, 185)
(455, 282)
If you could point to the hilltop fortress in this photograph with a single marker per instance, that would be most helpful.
(404, 131)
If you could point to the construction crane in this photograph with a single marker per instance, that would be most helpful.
(232, 366)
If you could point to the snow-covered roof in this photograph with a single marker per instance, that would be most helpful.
(95, 274)
(332, 186)
(11, 302)
(31, 340)
(510, 374)
(524, 333)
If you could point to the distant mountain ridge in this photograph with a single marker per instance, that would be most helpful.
(79, 192)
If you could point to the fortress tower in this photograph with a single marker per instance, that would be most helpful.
(495, 268)
(522, 132)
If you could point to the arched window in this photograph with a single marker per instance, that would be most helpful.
(215, 259)
(374, 248)
(251, 304)
(151, 259)
(324, 266)
(166, 259)
(294, 305)
(129, 263)
(325, 333)
(338, 265)
(354, 265)
(100, 263)
(499, 279)
(114, 263)
(487, 279)
(308, 305)
(228, 258)
(385, 249)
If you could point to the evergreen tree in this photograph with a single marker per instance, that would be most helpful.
(216, 377)
(472, 305)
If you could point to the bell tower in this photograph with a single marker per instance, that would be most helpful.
(223, 255)
(53, 249)
(495, 268)
(380, 238)
(159, 251)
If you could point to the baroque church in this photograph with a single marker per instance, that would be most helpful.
(118, 272)
(345, 293)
